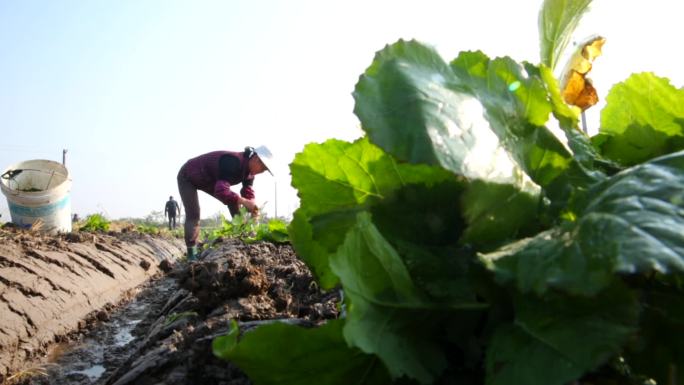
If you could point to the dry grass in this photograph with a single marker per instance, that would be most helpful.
(23, 375)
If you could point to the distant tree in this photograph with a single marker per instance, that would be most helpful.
(155, 217)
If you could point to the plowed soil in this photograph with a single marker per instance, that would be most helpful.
(53, 287)
(168, 325)
(253, 284)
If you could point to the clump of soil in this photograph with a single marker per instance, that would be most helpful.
(253, 284)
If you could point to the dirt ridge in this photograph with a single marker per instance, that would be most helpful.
(50, 284)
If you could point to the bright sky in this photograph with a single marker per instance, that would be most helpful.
(135, 88)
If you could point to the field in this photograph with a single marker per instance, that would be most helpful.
(149, 332)
(476, 234)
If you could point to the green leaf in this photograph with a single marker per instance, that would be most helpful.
(284, 354)
(403, 338)
(336, 180)
(314, 253)
(637, 217)
(408, 104)
(224, 345)
(556, 339)
(557, 21)
(643, 119)
(276, 231)
(552, 259)
(497, 212)
(631, 224)
(336, 175)
(517, 107)
(387, 314)
(366, 263)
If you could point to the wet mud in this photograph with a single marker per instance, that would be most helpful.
(92, 356)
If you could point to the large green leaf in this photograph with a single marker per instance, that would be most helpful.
(556, 339)
(643, 119)
(336, 180)
(408, 105)
(282, 354)
(557, 21)
(632, 223)
(337, 176)
(412, 105)
(497, 212)
(404, 339)
(313, 252)
(553, 258)
(637, 217)
(517, 108)
(387, 314)
(367, 264)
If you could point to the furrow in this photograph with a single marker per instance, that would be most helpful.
(4, 262)
(97, 265)
(51, 261)
(23, 289)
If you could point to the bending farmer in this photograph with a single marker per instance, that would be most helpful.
(214, 173)
(171, 210)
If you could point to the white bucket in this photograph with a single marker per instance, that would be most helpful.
(37, 193)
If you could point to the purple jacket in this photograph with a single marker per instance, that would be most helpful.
(216, 171)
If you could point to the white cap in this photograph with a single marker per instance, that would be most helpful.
(265, 155)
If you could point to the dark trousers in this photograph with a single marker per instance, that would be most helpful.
(172, 222)
(188, 194)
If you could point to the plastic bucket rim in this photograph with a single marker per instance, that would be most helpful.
(64, 185)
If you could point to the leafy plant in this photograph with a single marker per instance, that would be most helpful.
(249, 229)
(480, 237)
(148, 229)
(95, 222)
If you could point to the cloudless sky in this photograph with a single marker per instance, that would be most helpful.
(134, 88)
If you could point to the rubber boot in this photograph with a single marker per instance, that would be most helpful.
(192, 253)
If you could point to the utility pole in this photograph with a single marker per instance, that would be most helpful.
(275, 195)
(64, 151)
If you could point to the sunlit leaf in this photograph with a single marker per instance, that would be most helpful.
(643, 119)
(557, 21)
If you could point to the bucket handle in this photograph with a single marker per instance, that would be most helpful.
(11, 174)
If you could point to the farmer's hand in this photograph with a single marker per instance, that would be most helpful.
(250, 205)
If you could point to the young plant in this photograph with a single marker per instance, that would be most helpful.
(248, 229)
(95, 222)
(148, 229)
(479, 236)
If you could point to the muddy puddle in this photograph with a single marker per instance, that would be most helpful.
(94, 355)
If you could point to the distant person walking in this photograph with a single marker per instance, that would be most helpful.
(170, 211)
(214, 173)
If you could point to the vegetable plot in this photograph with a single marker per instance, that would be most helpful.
(478, 236)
